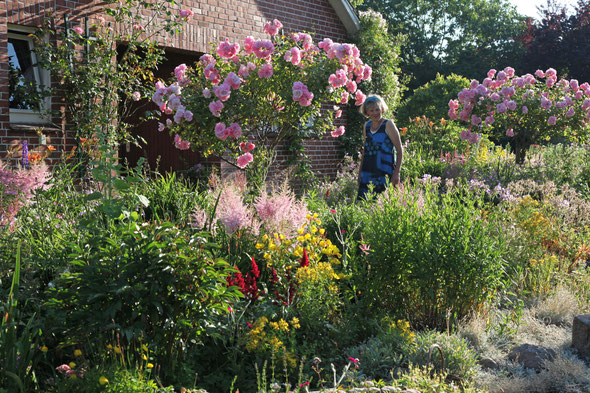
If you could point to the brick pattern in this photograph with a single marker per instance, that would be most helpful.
(214, 20)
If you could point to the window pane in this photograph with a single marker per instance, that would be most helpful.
(22, 76)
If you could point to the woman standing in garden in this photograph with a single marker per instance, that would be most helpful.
(378, 159)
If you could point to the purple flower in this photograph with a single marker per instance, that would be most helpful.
(25, 155)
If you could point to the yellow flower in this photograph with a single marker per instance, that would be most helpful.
(259, 246)
(77, 352)
(308, 216)
(72, 365)
(109, 346)
(144, 347)
(283, 325)
(44, 349)
(266, 255)
(103, 380)
(307, 236)
(274, 325)
(322, 231)
(149, 365)
(144, 357)
(117, 350)
(282, 237)
(265, 237)
(295, 323)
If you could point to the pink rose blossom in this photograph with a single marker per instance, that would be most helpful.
(351, 87)
(360, 98)
(244, 160)
(248, 44)
(452, 114)
(216, 107)
(180, 144)
(511, 105)
(552, 120)
(551, 73)
(293, 55)
(338, 79)
(161, 127)
(79, 30)
(510, 132)
(491, 73)
(188, 115)
(206, 92)
(490, 120)
(222, 91)
(495, 97)
(233, 80)
(221, 131)
(265, 71)
(501, 107)
(453, 104)
(550, 82)
(247, 146)
(545, 103)
(138, 27)
(244, 72)
(475, 120)
(136, 96)
(227, 50)
(338, 114)
(263, 48)
(525, 110)
(325, 44)
(186, 13)
(272, 28)
(234, 130)
(570, 112)
(344, 97)
(338, 132)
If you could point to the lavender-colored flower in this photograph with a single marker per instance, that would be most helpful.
(25, 155)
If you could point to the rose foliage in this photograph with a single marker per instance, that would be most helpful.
(525, 109)
(260, 93)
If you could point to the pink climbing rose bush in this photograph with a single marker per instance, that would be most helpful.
(528, 109)
(257, 92)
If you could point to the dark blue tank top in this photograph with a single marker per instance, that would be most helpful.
(378, 157)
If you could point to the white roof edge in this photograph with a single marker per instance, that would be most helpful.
(347, 15)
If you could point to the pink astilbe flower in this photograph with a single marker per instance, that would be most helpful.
(281, 212)
(233, 214)
(198, 218)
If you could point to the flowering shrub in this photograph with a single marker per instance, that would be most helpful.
(524, 108)
(260, 92)
(17, 188)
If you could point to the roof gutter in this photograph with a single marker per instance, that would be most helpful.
(347, 15)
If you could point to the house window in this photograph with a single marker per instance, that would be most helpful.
(26, 80)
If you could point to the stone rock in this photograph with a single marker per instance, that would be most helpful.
(488, 363)
(390, 389)
(581, 335)
(531, 356)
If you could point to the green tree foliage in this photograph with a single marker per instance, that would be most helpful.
(559, 41)
(432, 99)
(381, 50)
(465, 37)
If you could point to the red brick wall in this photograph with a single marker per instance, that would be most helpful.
(214, 20)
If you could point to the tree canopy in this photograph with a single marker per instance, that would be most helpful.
(465, 37)
(559, 41)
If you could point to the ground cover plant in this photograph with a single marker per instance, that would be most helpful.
(117, 279)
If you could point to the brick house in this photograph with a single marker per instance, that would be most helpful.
(214, 20)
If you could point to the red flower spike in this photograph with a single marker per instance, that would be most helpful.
(304, 262)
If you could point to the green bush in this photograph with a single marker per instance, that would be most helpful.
(430, 255)
(460, 361)
(142, 281)
(432, 99)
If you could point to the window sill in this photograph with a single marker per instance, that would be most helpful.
(34, 128)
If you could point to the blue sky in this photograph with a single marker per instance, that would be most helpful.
(529, 7)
